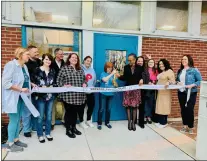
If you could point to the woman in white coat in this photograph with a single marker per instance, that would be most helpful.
(15, 80)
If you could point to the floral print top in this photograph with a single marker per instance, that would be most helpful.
(43, 80)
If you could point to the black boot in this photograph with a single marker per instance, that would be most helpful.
(75, 131)
(133, 127)
(70, 133)
(129, 125)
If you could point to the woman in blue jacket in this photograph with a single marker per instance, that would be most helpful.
(15, 79)
(191, 77)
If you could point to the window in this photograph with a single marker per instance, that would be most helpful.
(47, 40)
(117, 15)
(172, 16)
(204, 19)
(53, 12)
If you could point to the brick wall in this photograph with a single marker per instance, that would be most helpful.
(173, 50)
(10, 40)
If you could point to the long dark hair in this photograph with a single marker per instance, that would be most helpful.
(77, 66)
(144, 63)
(190, 63)
(154, 69)
(166, 63)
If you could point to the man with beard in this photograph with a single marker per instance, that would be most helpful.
(29, 122)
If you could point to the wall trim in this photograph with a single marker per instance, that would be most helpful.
(160, 34)
(10, 25)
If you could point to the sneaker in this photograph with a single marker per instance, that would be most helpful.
(99, 127)
(89, 123)
(109, 126)
(190, 131)
(162, 126)
(183, 130)
(83, 125)
(157, 125)
(27, 134)
(41, 139)
(21, 144)
(15, 148)
(49, 137)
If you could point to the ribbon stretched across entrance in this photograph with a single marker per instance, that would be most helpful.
(35, 113)
(99, 89)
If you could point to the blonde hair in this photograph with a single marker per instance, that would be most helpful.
(19, 52)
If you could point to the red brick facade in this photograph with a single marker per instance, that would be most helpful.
(10, 40)
(173, 50)
(170, 49)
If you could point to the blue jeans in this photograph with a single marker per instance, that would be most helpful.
(45, 109)
(149, 102)
(105, 103)
(26, 119)
(14, 122)
(34, 119)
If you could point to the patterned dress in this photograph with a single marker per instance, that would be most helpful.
(132, 98)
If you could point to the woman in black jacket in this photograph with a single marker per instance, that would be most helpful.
(132, 99)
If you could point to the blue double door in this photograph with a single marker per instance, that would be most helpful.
(103, 43)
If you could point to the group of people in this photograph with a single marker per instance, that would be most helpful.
(27, 71)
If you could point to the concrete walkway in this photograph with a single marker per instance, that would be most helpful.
(108, 144)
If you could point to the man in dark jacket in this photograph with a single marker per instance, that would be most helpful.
(29, 122)
(56, 65)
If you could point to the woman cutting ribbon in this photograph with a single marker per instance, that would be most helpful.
(107, 81)
(132, 99)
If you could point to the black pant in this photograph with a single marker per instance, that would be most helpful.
(71, 112)
(187, 112)
(162, 119)
(90, 103)
(141, 108)
(154, 115)
(105, 103)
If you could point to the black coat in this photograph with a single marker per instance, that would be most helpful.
(129, 78)
(56, 68)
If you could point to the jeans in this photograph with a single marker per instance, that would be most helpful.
(34, 119)
(187, 113)
(45, 108)
(26, 119)
(149, 103)
(14, 122)
(71, 112)
(105, 103)
(90, 103)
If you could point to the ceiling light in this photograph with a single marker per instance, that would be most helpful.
(97, 21)
(59, 18)
(167, 27)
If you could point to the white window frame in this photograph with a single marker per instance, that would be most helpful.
(148, 22)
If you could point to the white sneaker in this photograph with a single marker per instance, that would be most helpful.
(157, 125)
(89, 123)
(162, 126)
(83, 125)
